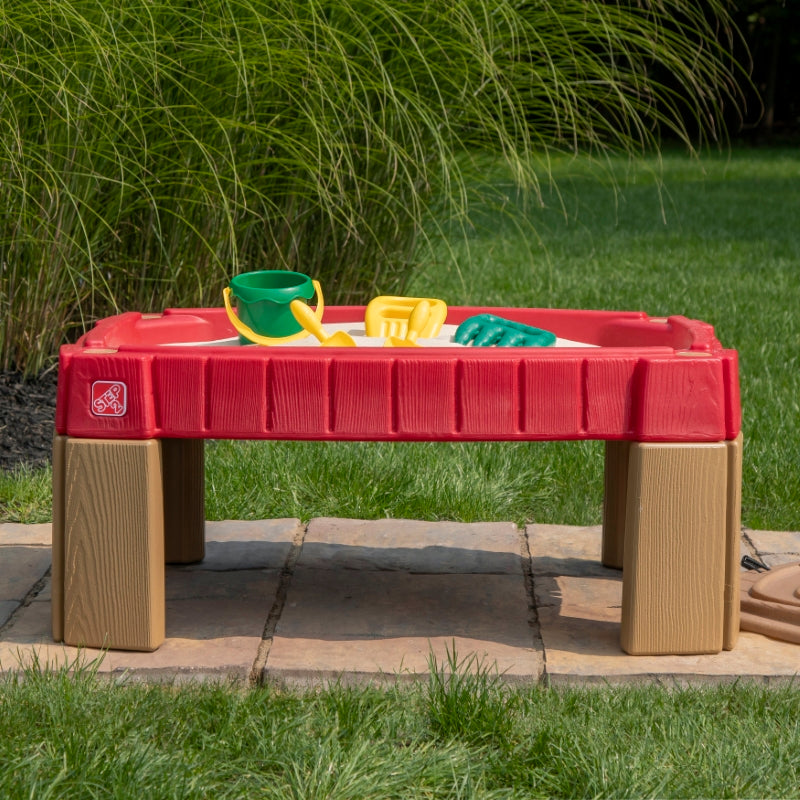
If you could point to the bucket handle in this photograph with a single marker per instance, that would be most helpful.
(250, 334)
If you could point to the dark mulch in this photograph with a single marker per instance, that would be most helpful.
(27, 419)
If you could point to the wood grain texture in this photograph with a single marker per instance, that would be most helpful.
(113, 544)
(298, 391)
(609, 388)
(179, 386)
(183, 463)
(615, 496)
(361, 397)
(425, 396)
(57, 567)
(733, 404)
(675, 549)
(733, 530)
(681, 404)
(132, 370)
(552, 396)
(237, 396)
(488, 394)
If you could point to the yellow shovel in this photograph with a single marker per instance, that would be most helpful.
(417, 321)
(305, 316)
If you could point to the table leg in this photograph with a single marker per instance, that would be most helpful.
(673, 582)
(57, 557)
(733, 539)
(113, 539)
(614, 500)
(184, 500)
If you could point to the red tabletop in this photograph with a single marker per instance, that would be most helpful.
(142, 376)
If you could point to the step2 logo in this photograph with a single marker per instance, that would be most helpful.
(109, 398)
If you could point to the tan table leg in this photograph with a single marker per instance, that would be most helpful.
(57, 568)
(184, 500)
(675, 559)
(113, 537)
(614, 501)
(733, 539)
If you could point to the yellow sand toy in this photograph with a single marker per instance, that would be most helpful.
(417, 320)
(307, 318)
(390, 317)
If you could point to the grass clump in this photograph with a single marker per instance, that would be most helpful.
(466, 700)
(26, 494)
(151, 150)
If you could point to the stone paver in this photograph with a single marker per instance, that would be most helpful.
(412, 546)
(21, 568)
(24, 561)
(372, 600)
(210, 638)
(776, 547)
(215, 612)
(19, 534)
(7, 608)
(579, 603)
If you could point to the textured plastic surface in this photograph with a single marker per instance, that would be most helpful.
(771, 602)
(648, 379)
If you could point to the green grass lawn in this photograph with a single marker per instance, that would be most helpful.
(469, 737)
(714, 239)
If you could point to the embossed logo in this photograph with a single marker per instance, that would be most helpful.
(109, 398)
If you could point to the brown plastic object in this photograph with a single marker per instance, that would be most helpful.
(673, 590)
(781, 585)
(771, 602)
(113, 544)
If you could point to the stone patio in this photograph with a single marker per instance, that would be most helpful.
(376, 601)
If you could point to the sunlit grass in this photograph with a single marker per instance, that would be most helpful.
(713, 239)
(465, 734)
(26, 494)
(468, 482)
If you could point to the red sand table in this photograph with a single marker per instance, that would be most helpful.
(134, 408)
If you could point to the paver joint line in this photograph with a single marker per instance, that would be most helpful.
(375, 598)
(257, 671)
(30, 596)
(533, 611)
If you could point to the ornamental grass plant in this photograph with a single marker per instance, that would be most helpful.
(151, 150)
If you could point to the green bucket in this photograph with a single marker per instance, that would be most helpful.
(263, 297)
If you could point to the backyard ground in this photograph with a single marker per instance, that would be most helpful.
(27, 413)
(721, 246)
